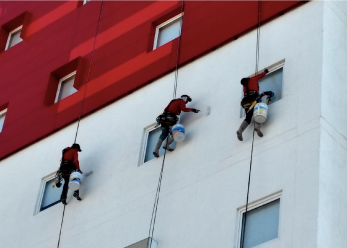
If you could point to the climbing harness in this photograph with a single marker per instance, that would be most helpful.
(156, 200)
(250, 163)
(84, 96)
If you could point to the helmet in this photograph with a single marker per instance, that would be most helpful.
(244, 81)
(188, 98)
(76, 146)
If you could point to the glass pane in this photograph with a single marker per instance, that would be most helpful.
(2, 120)
(272, 82)
(66, 88)
(262, 224)
(152, 140)
(51, 196)
(169, 32)
(15, 38)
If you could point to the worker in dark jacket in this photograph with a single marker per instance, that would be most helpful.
(69, 164)
(169, 119)
(251, 94)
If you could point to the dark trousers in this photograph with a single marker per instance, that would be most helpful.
(66, 187)
(249, 115)
(165, 131)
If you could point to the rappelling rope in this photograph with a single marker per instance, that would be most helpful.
(243, 233)
(85, 91)
(156, 200)
(90, 64)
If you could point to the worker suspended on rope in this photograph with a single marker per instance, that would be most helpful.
(251, 97)
(169, 118)
(69, 163)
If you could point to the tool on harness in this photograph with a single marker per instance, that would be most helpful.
(168, 119)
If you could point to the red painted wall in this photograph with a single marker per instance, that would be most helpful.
(59, 37)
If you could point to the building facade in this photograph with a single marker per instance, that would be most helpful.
(119, 58)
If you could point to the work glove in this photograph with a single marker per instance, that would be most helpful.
(80, 171)
(266, 70)
(269, 93)
(195, 110)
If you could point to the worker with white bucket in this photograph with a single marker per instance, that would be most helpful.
(250, 99)
(70, 171)
(168, 119)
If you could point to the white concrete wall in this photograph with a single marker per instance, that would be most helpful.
(333, 156)
(205, 178)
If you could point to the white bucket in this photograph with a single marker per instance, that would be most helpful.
(75, 180)
(260, 112)
(178, 132)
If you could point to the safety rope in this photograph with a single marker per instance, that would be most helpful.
(156, 200)
(90, 64)
(243, 233)
(85, 91)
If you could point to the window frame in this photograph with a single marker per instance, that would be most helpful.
(146, 132)
(10, 35)
(164, 24)
(60, 82)
(42, 191)
(272, 68)
(86, 1)
(3, 112)
(253, 205)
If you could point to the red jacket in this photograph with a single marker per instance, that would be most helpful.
(177, 106)
(72, 155)
(253, 83)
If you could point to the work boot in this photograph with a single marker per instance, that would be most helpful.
(257, 127)
(76, 194)
(242, 128)
(157, 147)
(63, 200)
(169, 141)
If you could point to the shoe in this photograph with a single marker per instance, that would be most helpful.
(63, 200)
(77, 196)
(257, 127)
(242, 128)
(157, 147)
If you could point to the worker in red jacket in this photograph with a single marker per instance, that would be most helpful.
(169, 118)
(69, 164)
(251, 94)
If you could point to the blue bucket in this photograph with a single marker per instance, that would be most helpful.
(178, 132)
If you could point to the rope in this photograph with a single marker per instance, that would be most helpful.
(90, 64)
(250, 163)
(85, 91)
(61, 225)
(156, 200)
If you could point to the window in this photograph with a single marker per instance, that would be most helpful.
(146, 243)
(272, 82)
(66, 87)
(48, 196)
(150, 138)
(2, 118)
(86, 1)
(14, 37)
(168, 31)
(262, 222)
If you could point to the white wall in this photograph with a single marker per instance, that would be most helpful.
(333, 156)
(205, 178)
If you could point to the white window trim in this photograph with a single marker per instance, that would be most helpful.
(85, 1)
(164, 24)
(2, 113)
(42, 191)
(253, 205)
(146, 132)
(10, 35)
(59, 85)
(272, 68)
